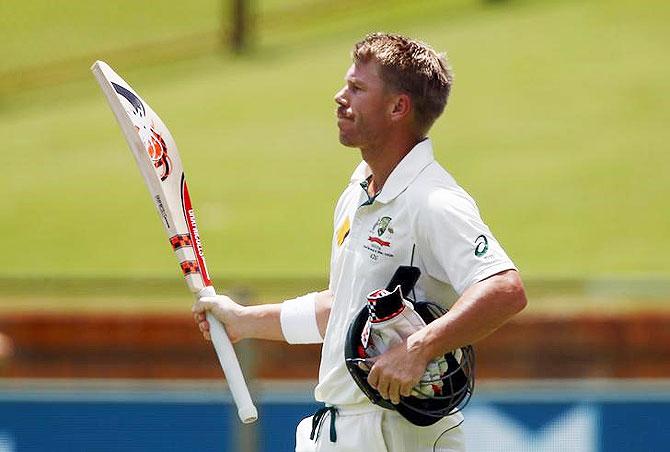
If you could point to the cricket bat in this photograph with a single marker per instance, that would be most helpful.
(157, 157)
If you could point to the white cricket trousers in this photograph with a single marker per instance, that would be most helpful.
(379, 430)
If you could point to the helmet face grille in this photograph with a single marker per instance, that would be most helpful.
(457, 382)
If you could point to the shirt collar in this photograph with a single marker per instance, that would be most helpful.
(403, 174)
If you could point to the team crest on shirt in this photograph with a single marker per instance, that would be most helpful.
(383, 225)
(379, 238)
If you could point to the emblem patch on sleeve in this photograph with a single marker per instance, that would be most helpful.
(343, 231)
(481, 245)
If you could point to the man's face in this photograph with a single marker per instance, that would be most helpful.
(363, 107)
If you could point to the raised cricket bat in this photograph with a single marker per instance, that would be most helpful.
(158, 159)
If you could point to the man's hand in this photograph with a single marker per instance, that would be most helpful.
(225, 310)
(397, 371)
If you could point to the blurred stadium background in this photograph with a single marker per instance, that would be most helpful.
(558, 126)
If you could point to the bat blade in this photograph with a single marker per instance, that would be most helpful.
(159, 162)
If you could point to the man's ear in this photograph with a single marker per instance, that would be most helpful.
(402, 107)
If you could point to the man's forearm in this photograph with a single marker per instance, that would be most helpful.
(263, 321)
(481, 310)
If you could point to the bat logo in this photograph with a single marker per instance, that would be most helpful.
(152, 140)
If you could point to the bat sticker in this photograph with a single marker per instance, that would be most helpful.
(180, 241)
(189, 267)
(152, 140)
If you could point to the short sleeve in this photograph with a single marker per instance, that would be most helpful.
(455, 245)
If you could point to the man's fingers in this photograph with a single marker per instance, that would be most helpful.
(406, 390)
(373, 377)
(394, 392)
(379, 382)
(199, 317)
(198, 307)
(203, 326)
(383, 389)
(205, 304)
(208, 304)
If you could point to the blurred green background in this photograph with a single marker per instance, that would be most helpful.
(557, 125)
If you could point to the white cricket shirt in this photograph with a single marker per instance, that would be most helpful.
(421, 217)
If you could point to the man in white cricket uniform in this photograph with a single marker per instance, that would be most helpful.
(400, 208)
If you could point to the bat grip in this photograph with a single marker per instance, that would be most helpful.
(230, 365)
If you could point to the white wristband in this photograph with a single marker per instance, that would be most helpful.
(298, 320)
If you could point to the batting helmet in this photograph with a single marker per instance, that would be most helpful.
(423, 410)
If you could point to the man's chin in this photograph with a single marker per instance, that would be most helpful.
(347, 141)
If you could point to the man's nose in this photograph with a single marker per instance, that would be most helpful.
(339, 97)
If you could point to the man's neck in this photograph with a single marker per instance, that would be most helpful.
(382, 161)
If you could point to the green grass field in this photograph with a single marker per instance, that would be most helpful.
(558, 126)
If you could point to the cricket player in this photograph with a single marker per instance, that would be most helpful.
(399, 208)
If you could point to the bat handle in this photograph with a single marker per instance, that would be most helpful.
(230, 365)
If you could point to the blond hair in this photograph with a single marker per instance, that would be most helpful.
(411, 67)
